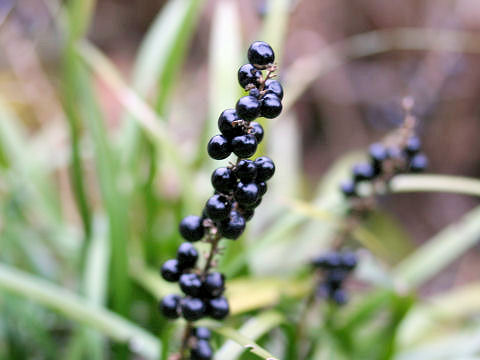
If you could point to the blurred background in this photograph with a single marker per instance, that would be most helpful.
(106, 107)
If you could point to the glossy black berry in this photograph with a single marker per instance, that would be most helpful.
(246, 170)
(335, 278)
(201, 351)
(265, 168)
(254, 92)
(248, 108)
(348, 188)
(260, 53)
(339, 296)
(327, 261)
(413, 146)
(218, 147)
(218, 207)
(257, 131)
(191, 228)
(363, 172)
(253, 205)
(244, 146)
(228, 124)
(191, 284)
(214, 285)
(187, 256)
(224, 180)
(246, 194)
(348, 261)
(192, 308)
(202, 333)
(169, 306)
(274, 87)
(170, 270)
(262, 188)
(233, 226)
(248, 74)
(248, 214)
(271, 106)
(218, 308)
(418, 163)
(378, 153)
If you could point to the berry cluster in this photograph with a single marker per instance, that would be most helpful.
(238, 188)
(203, 292)
(334, 268)
(386, 162)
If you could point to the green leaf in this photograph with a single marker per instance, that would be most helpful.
(440, 251)
(435, 183)
(442, 313)
(254, 328)
(80, 310)
(247, 343)
(222, 67)
(177, 52)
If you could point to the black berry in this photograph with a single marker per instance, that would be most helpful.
(233, 226)
(274, 87)
(248, 108)
(191, 228)
(262, 188)
(246, 194)
(348, 260)
(260, 54)
(271, 106)
(254, 205)
(191, 284)
(169, 306)
(348, 188)
(248, 214)
(192, 308)
(246, 170)
(218, 308)
(218, 147)
(327, 261)
(218, 207)
(187, 256)
(335, 278)
(257, 130)
(224, 180)
(202, 333)
(265, 168)
(363, 172)
(340, 297)
(254, 92)
(228, 124)
(170, 270)
(378, 154)
(413, 146)
(213, 285)
(418, 163)
(244, 146)
(248, 75)
(201, 351)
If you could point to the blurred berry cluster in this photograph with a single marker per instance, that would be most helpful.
(334, 268)
(386, 162)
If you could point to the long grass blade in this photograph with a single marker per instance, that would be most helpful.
(79, 310)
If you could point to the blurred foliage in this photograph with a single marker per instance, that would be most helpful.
(90, 202)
